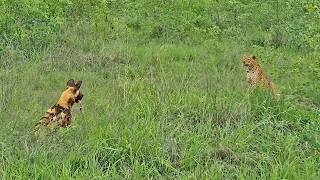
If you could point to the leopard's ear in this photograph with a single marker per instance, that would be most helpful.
(254, 57)
(70, 83)
(78, 84)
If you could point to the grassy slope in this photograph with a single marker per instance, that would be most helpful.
(159, 109)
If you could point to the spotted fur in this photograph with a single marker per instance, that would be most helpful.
(59, 115)
(256, 77)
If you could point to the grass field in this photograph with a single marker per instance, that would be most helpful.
(166, 105)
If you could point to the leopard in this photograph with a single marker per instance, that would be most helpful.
(255, 76)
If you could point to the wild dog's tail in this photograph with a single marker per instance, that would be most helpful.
(43, 120)
(40, 123)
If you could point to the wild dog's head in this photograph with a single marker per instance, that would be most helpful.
(250, 63)
(75, 88)
(71, 95)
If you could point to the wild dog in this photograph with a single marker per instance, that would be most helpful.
(59, 115)
(256, 77)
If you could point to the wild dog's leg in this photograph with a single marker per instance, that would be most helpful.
(68, 118)
(62, 120)
(65, 119)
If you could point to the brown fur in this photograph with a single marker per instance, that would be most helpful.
(256, 77)
(59, 115)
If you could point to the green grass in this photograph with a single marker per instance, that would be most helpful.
(159, 109)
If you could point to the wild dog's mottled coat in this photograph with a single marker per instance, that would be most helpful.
(59, 115)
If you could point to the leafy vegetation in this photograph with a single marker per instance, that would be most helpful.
(164, 89)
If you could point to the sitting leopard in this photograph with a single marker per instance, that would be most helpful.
(256, 77)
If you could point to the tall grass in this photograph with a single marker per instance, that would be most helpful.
(159, 102)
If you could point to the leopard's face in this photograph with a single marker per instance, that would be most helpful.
(249, 62)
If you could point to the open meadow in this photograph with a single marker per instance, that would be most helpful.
(164, 87)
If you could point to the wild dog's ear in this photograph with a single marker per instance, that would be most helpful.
(70, 83)
(254, 57)
(78, 84)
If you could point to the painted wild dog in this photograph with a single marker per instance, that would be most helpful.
(256, 77)
(59, 115)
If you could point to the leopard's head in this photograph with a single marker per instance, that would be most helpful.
(249, 62)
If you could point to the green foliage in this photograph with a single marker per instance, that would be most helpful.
(280, 23)
(164, 89)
